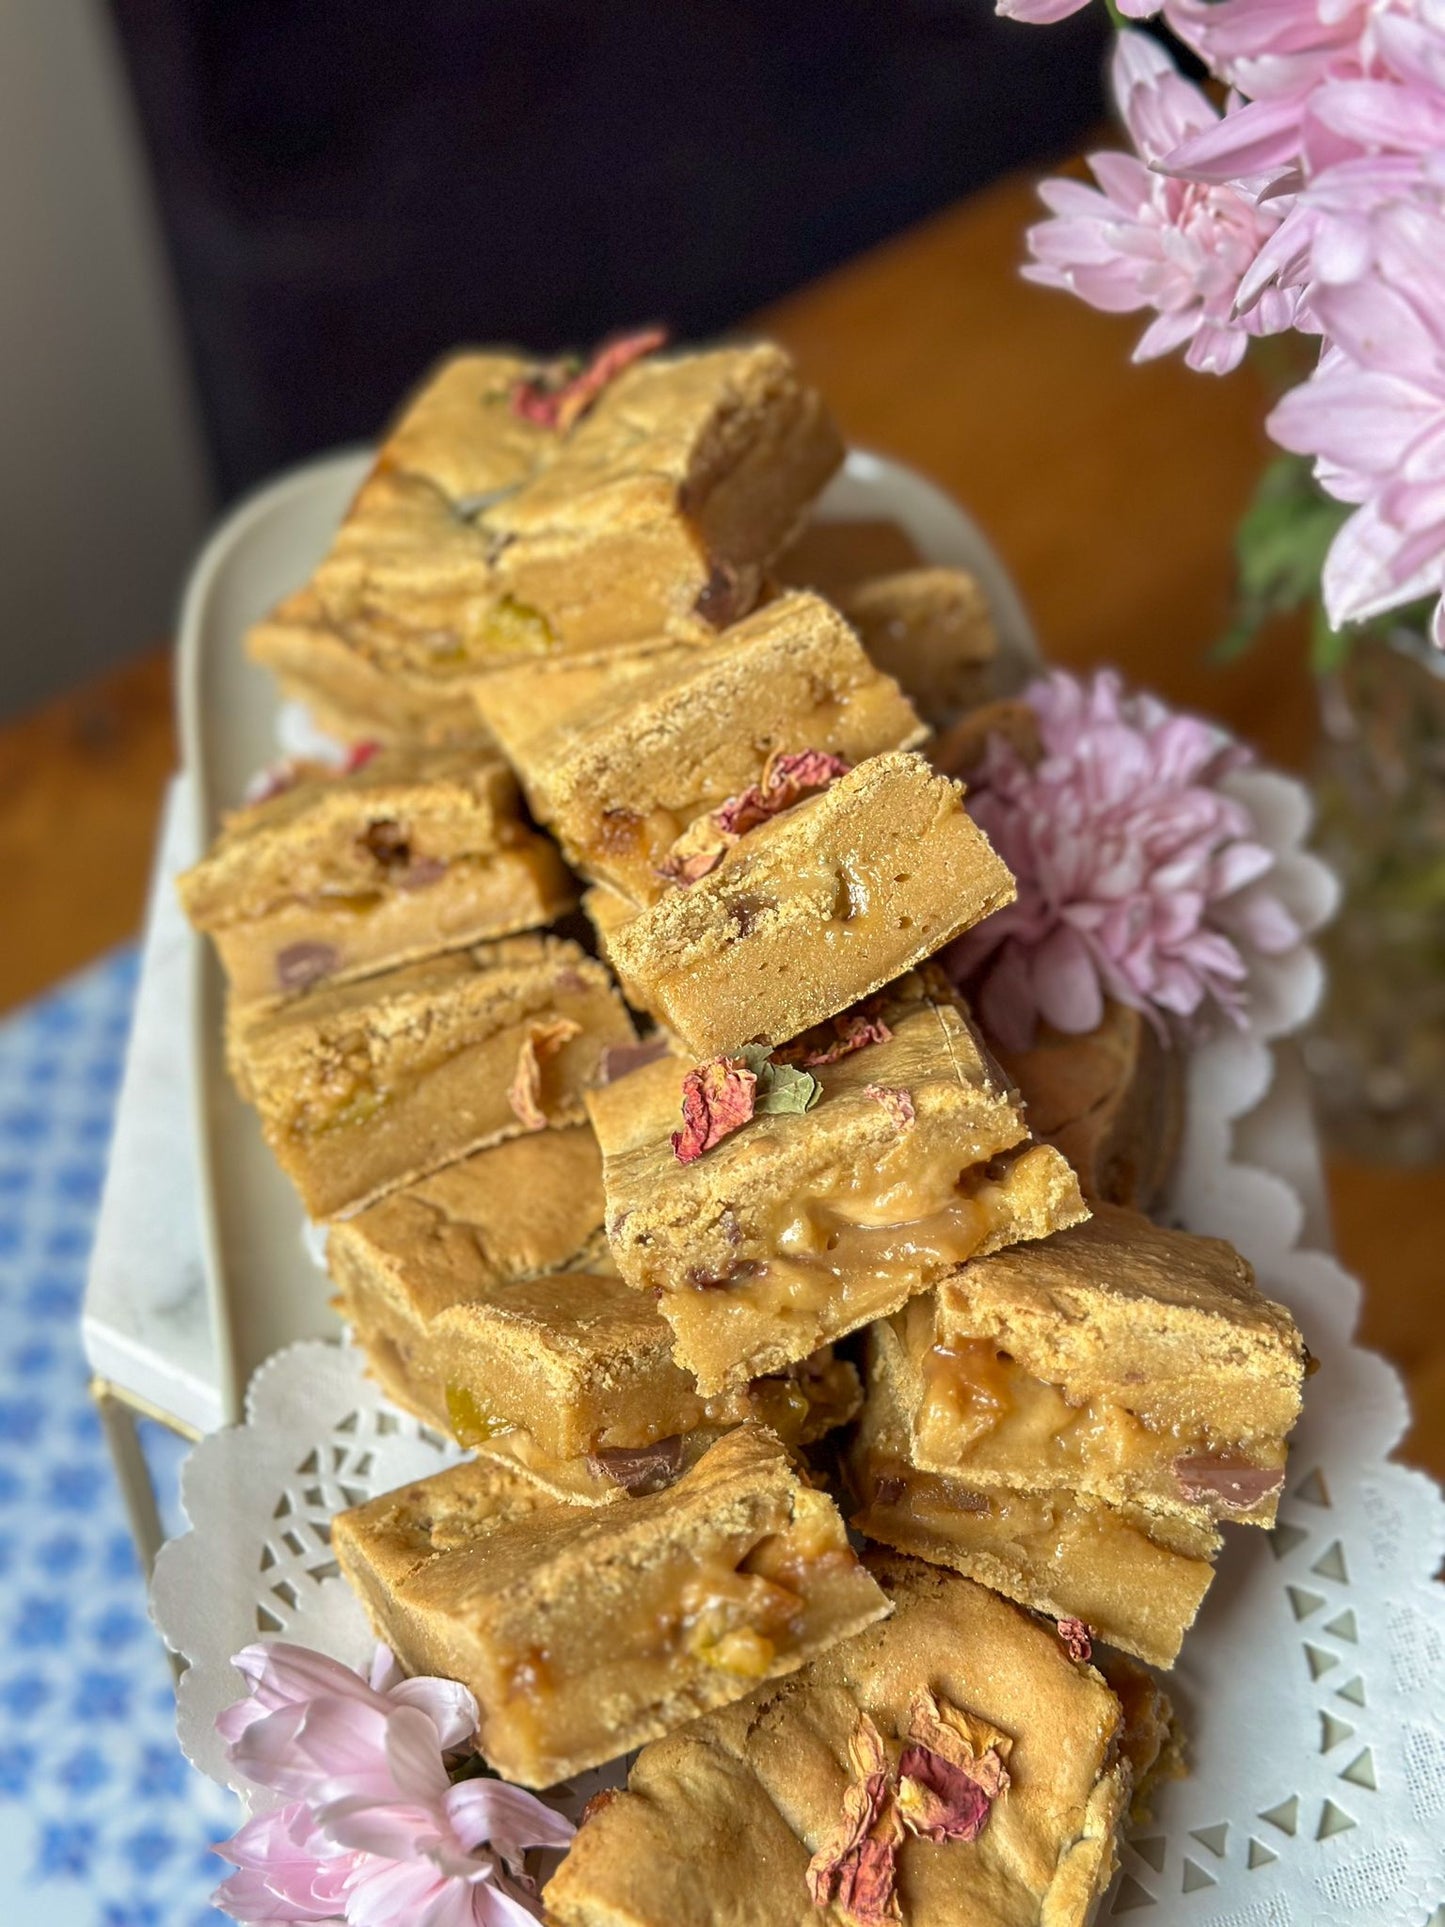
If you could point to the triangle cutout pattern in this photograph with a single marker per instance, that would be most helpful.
(1284, 1539)
(1130, 1896)
(1152, 1850)
(1333, 1820)
(1285, 1816)
(1320, 1661)
(1331, 1564)
(1213, 1838)
(1195, 1877)
(1343, 1626)
(1361, 1772)
(1260, 1855)
(1303, 1603)
(1313, 1490)
(1333, 1731)
(1353, 1690)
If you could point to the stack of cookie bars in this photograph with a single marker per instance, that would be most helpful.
(736, 1233)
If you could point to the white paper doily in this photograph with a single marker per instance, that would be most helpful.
(1312, 1689)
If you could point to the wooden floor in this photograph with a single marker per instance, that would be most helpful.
(1111, 491)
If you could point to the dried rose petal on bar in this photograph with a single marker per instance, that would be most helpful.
(855, 1867)
(788, 776)
(716, 1098)
(542, 1041)
(1076, 1641)
(558, 397)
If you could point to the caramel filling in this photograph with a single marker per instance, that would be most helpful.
(981, 1411)
(737, 1611)
(869, 1231)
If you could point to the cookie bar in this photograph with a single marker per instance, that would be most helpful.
(383, 638)
(810, 910)
(662, 508)
(794, 1229)
(1134, 1578)
(642, 782)
(337, 876)
(951, 1764)
(930, 628)
(484, 534)
(584, 1633)
(367, 1086)
(1120, 1359)
(471, 1296)
(801, 1405)
(1112, 1100)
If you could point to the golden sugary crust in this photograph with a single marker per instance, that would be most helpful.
(1111, 1100)
(559, 1619)
(812, 910)
(719, 1821)
(621, 780)
(931, 629)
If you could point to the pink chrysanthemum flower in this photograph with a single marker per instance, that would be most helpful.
(1373, 416)
(1144, 240)
(1139, 877)
(1282, 54)
(375, 1832)
(1043, 13)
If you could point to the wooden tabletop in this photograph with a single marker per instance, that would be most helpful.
(1110, 490)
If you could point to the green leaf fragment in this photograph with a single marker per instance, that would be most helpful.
(780, 1087)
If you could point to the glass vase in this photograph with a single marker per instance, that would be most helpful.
(1377, 1051)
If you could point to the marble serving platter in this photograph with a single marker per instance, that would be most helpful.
(264, 1288)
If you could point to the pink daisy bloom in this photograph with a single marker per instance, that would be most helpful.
(1144, 240)
(375, 1831)
(1139, 877)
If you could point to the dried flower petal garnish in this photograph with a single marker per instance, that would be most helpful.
(780, 1087)
(788, 776)
(358, 756)
(839, 1037)
(693, 857)
(951, 1771)
(559, 395)
(898, 1103)
(524, 1093)
(717, 1097)
(855, 1866)
(1076, 1640)
(274, 780)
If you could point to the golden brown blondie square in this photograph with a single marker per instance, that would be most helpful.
(639, 785)
(951, 1764)
(367, 1086)
(795, 1228)
(489, 531)
(585, 1632)
(1111, 1099)
(810, 910)
(932, 630)
(1134, 1578)
(1121, 1359)
(339, 875)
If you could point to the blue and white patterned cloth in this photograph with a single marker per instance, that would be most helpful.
(102, 1822)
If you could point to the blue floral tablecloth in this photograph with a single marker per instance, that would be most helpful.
(102, 1822)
